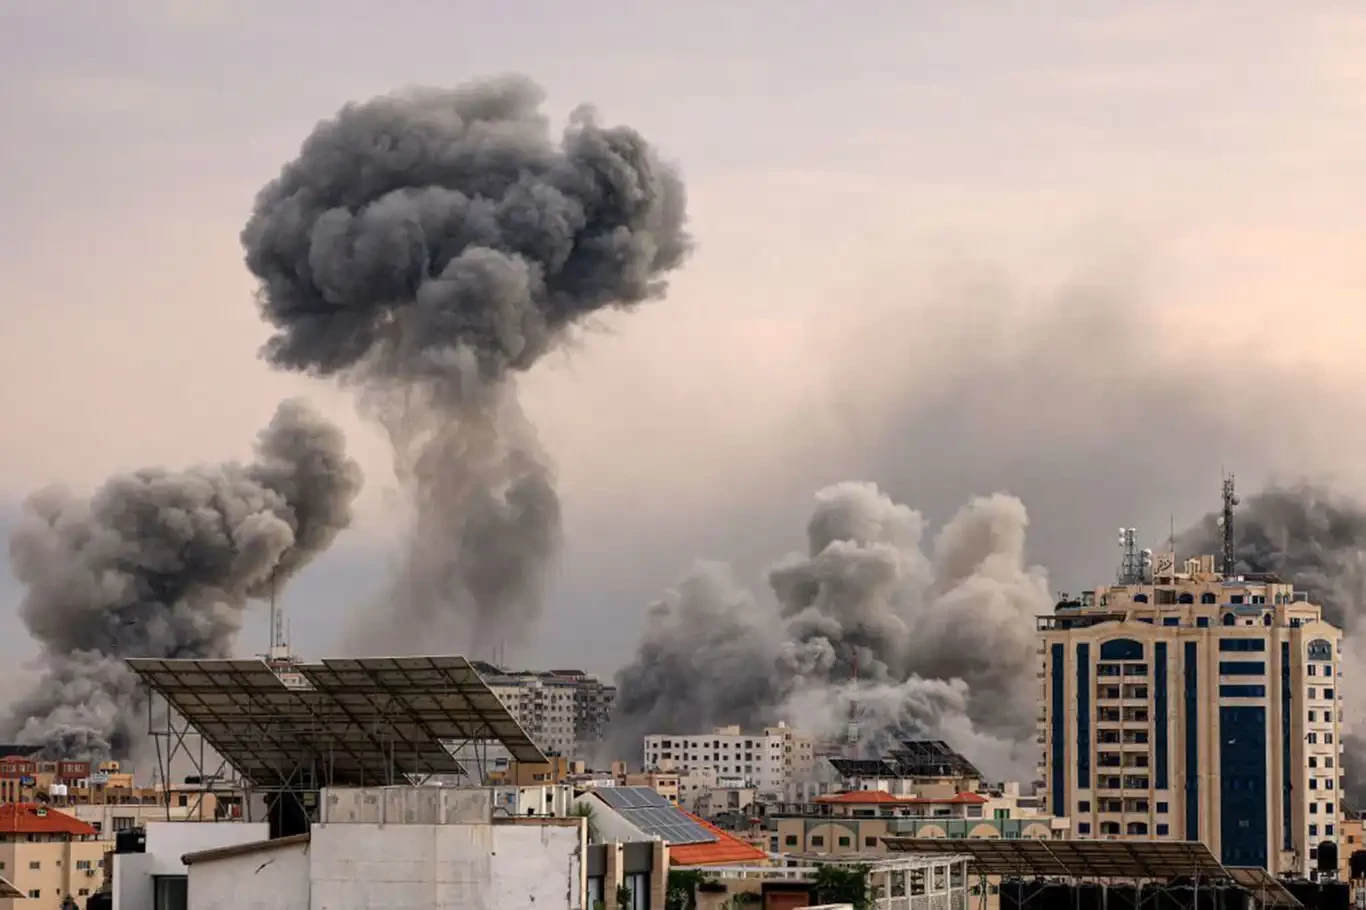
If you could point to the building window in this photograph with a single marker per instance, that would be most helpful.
(1312, 671)
(1313, 761)
(1162, 830)
(1161, 807)
(1328, 830)
(1313, 830)
(844, 841)
(870, 843)
(35, 893)
(1207, 598)
(1228, 619)
(1328, 693)
(790, 840)
(1202, 622)
(35, 864)
(1313, 783)
(1313, 808)
(1083, 827)
(1084, 806)
(1312, 738)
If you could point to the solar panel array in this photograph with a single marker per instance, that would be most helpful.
(362, 723)
(631, 797)
(654, 815)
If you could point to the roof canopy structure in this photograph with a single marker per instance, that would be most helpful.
(1095, 859)
(356, 722)
(1072, 858)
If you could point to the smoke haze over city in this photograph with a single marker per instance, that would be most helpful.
(1010, 284)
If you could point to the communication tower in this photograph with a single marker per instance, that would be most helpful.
(1135, 565)
(1230, 565)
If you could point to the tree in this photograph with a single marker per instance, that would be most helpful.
(584, 810)
(681, 892)
(842, 885)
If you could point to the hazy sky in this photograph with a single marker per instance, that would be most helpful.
(1088, 252)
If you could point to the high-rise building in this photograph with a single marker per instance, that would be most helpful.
(565, 712)
(1186, 704)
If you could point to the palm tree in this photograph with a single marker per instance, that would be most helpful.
(584, 810)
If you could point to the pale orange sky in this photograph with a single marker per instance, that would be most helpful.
(840, 158)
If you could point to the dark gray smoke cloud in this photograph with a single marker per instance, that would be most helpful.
(941, 637)
(1314, 536)
(162, 563)
(427, 246)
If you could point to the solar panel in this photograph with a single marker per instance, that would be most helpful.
(631, 797)
(442, 695)
(654, 815)
(1072, 858)
(355, 726)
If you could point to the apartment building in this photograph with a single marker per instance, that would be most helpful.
(565, 712)
(1193, 705)
(766, 761)
(49, 856)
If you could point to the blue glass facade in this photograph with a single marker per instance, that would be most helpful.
(1121, 649)
(1286, 833)
(1242, 785)
(1160, 710)
(1083, 715)
(1057, 798)
(1192, 691)
(1242, 691)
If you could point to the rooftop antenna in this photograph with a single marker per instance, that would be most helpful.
(1229, 567)
(1135, 565)
(279, 641)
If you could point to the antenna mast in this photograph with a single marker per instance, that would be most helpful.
(1226, 523)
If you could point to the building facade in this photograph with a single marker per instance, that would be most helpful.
(49, 856)
(565, 712)
(766, 761)
(1193, 706)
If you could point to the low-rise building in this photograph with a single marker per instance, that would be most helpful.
(855, 822)
(49, 856)
(382, 846)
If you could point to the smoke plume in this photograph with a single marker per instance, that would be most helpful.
(427, 246)
(161, 564)
(940, 634)
(1313, 536)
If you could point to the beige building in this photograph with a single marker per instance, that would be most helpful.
(48, 855)
(1182, 704)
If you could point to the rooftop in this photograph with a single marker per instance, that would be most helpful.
(31, 818)
(724, 850)
(880, 797)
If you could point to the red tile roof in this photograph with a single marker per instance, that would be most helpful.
(725, 850)
(868, 797)
(24, 818)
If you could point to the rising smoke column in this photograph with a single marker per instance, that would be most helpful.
(944, 642)
(161, 564)
(426, 246)
(1314, 536)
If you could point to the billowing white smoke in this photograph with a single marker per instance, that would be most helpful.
(942, 635)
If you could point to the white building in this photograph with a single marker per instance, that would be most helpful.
(1186, 705)
(766, 761)
(401, 847)
(565, 712)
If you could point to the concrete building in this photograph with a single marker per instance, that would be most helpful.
(565, 712)
(853, 823)
(401, 847)
(48, 856)
(154, 877)
(766, 761)
(1184, 704)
